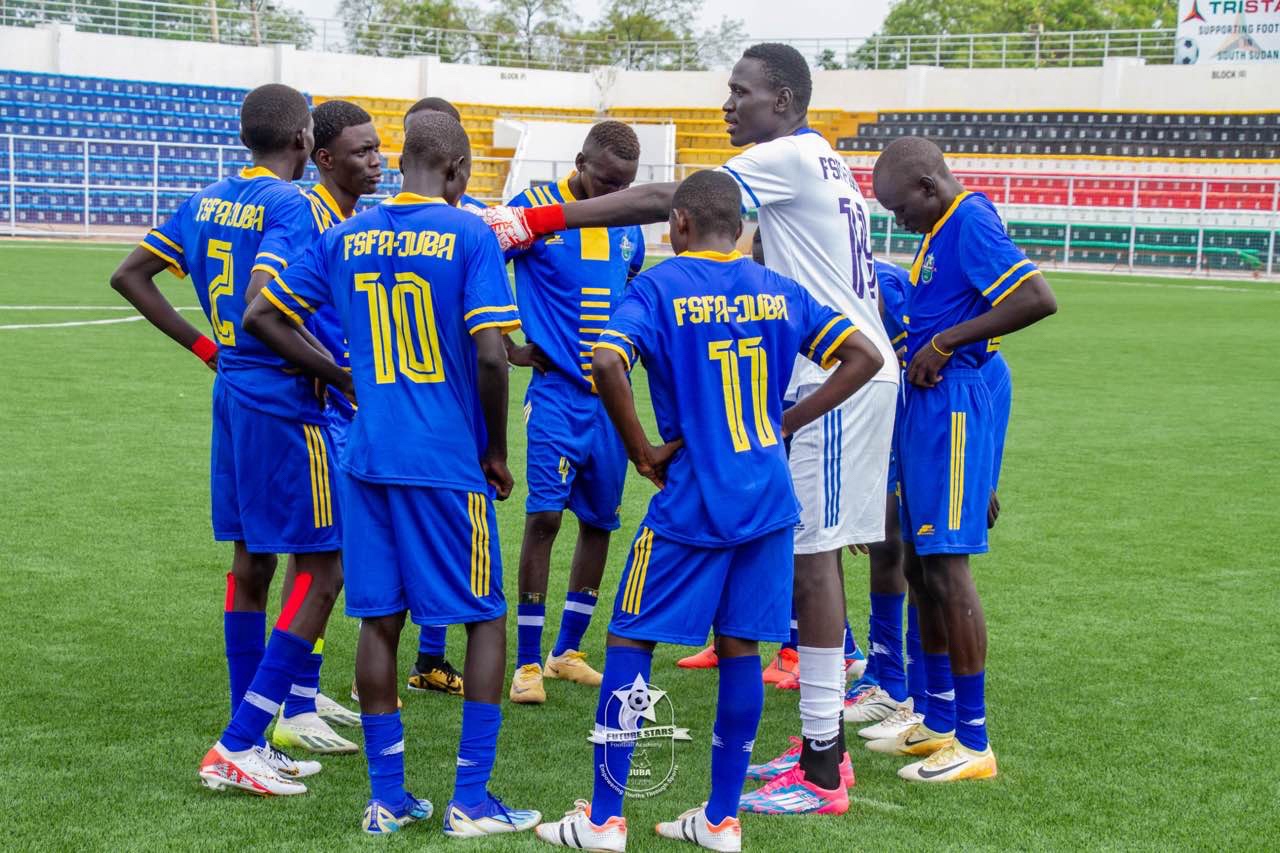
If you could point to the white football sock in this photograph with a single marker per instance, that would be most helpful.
(821, 691)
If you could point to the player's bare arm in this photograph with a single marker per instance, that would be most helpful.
(491, 381)
(260, 280)
(1029, 304)
(268, 324)
(518, 227)
(134, 279)
(859, 361)
(610, 373)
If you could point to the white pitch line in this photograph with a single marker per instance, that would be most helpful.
(85, 307)
(72, 323)
(1215, 288)
(877, 804)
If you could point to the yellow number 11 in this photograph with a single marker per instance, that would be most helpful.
(724, 353)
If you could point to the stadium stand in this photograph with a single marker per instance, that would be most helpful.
(119, 133)
(1201, 136)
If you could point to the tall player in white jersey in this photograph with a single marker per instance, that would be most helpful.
(815, 227)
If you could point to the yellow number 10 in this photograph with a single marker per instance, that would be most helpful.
(416, 345)
(750, 349)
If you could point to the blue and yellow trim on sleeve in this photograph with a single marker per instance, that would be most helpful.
(828, 340)
(996, 293)
(620, 344)
(166, 250)
(937, 226)
(286, 301)
(504, 318)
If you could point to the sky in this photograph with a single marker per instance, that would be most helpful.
(765, 19)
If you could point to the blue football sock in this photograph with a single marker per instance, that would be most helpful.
(384, 749)
(431, 640)
(915, 662)
(738, 709)
(302, 695)
(971, 711)
(873, 665)
(578, 607)
(244, 633)
(621, 666)
(529, 620)
(941, 713)
(793, 640)
(886, 641)
(285, 657)
(477, 748)
(850, 644)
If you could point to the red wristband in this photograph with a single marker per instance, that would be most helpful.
(545, 220)
(204, 349)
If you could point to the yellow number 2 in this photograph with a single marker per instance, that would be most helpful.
(724, 353)
(222, 284)
(415, 346)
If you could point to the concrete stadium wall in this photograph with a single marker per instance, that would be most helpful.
(1121, 84)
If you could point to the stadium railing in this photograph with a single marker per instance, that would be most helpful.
(253, 26)
(52, 186)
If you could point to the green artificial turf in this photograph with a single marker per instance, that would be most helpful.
(1132, 593)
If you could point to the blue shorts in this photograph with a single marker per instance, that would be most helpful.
(433, 552)
(576, 458)
(1000, 386)
(271, 480)
(893, 484)
(339, 424)
(671, 592)
(945, 452)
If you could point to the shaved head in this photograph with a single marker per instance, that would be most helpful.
(912, 181)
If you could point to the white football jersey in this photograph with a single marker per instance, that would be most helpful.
(816, 230)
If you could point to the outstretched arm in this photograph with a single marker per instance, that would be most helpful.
(859, 361)
(517, 227)
(610, 373)
(134, 279)
(1029, 303)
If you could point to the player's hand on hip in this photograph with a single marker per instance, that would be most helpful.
(529, 355)
(509, 225)
(926, 366)
(993, 510)
(498, 476)
(212, 361)
(653, 466)
(348, 386)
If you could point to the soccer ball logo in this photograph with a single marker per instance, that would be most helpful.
(1187, 52)
(638, 700)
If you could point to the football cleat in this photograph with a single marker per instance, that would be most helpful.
(859, 687)
(784, 664)
(693, 826)
(917, 740)
(572, 666)
(245, 771)
(575, 830)
(526, 685)
(856, 665)
(952, 763)
(285, 764)
(489, 818)
(705, 659)
(355, 696)
(334, 714)
(443, 679)
(771, 770)
(892, 725)
(874, 705)
(791, 682)
(309, 732)
(380, 818)
(791, 793)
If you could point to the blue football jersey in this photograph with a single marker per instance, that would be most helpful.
(324, 323)
(222, 235)
(964, 267)
(568, 283)
(719, 335)
(412, 279)
(895, 282)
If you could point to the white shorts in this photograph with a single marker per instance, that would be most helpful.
(840, 469)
